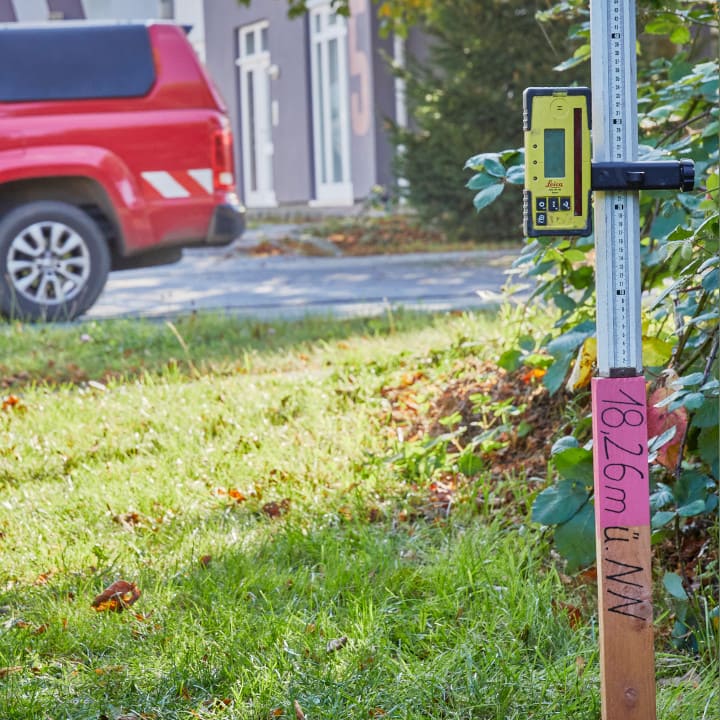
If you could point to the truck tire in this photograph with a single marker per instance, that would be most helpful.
(54, 261)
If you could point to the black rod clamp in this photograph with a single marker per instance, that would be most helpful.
(657, 175)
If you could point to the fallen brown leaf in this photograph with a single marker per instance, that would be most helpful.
(129, 519)
(5, 671)
(43, 578)
(117, 597)
(275, 510)
(299, 714)
(574, 613)
(337, 644)
(12, 402)
(205, 560)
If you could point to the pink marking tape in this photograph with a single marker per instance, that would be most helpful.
(619, 418)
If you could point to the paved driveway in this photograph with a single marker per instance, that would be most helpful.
(289, 286)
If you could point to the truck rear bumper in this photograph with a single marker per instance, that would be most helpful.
(228, 223)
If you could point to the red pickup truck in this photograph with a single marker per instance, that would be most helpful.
(115, 152)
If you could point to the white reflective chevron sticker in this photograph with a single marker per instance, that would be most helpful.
(203, 177)
(165, 184)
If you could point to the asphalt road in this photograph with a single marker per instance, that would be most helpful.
(231, 279)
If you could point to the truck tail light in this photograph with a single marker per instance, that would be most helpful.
(222, 160)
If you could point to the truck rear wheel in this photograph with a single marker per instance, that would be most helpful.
(54, 262)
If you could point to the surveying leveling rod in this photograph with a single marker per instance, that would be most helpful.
(619, 408)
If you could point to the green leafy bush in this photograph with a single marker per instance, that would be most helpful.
(678, 116)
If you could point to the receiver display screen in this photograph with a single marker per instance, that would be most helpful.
(554, 153)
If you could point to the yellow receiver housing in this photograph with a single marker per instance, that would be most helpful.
(556, 200)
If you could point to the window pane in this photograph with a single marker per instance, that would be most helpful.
(264, 39)
(321, 111)
(250, 43)
(252, 131)
(335, 118)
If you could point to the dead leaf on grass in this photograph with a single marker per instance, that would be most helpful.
(232, 493)
(12, 402)
(43, 578)
(117, 597)
(275, 509)
(277, 712)
(12, 670)
(574, 614)
(299, 714)
(217, 704)
(205, 560)
(110, 669)
(336, 644)
(129, 519)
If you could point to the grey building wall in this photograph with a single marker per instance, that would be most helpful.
(384, 104)
(7, 11)
(292, 143)
(361, 91)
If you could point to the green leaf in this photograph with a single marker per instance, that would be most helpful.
(662, 496)
(575, 464)
(680, 35)
(565, 442)
(470, 464)
(510, 360)
(663, 517)
(662, 24)
(693, 379)
(565, 303)
(673, 584)
(693, 401)
(555, 375)
(575, 539)
(494, 167)
(567, 343)
(477, 162)
(707, 414)
(710, 280)
(708, 447)
(696, 507)
(516, 175)
(656, 352)
(486, 196)
(480, 181)
(557, 504)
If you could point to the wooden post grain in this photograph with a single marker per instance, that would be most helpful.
(622, 515)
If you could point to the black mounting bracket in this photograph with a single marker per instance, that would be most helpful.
(656, 175)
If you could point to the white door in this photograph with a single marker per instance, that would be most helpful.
(331, 125)
(256, 117)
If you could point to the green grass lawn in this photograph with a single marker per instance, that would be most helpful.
(237, 473)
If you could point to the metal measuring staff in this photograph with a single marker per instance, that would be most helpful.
(558, 177)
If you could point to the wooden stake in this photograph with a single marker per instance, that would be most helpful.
(622, 519)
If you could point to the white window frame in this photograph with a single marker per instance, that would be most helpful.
(329, 192)
(258, 62)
